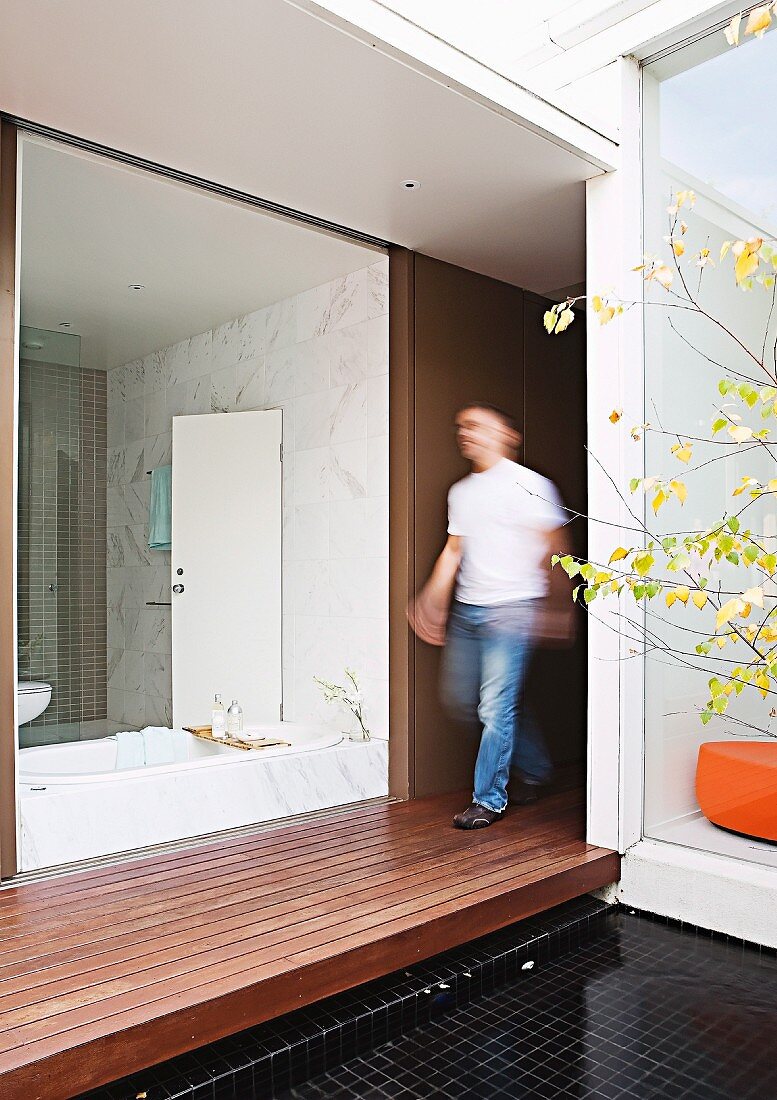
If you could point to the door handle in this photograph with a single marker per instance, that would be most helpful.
(178, 588)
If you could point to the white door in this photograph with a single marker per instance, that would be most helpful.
(226, 565)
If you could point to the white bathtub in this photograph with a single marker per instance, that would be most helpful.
(74, 803)
(97, 761)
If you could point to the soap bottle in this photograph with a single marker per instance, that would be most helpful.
(235, 719)
(218, 720)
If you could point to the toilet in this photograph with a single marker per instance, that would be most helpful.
(32, 698)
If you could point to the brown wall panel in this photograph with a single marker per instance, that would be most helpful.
(555, 434)
(7, 518)
(401, 520)
(477, 339)
(468, 347)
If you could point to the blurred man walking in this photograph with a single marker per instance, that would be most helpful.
(504, 523)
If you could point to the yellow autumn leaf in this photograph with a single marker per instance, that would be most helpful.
(549, 319)
(615, 416)
(658, 500)
(566, 318)
(747, 258)
(772, 485)
(721, 642)
(746, 264)
(759, 21)
(684, 452)
(671, 598)
(686, 196)
(678, 248)
(606, 314)
(754, 595)
(682, 593)
(728, 610)
(724, 248)
(732, 30)
(663, 275)
(679, 490)
(740, 433)
(596, 302)
(618, 555)
(700, 599)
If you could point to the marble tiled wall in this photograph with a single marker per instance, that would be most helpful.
(322, 357)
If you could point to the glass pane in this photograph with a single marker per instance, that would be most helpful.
(701, 133)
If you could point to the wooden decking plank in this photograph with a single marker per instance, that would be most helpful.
(158, 896)
(274, 850)
(273, 833)
(79, 954)
(230, 963)
(326, 907)
(162, 901)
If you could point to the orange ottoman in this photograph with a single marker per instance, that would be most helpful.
(736, 786)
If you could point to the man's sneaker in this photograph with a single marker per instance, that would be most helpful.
(476, 817)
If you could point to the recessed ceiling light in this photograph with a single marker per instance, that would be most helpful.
(136, 286)
(410, 185)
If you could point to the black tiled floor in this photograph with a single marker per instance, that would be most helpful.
(647, 1010)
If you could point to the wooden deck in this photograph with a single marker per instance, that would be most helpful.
(108, 971)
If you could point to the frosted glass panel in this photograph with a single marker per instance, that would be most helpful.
(698, 135)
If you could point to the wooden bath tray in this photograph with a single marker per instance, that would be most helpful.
(205, 732)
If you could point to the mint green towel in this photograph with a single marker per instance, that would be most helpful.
(160, 509)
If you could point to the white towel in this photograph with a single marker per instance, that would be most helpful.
(159, 745)
(129, 750)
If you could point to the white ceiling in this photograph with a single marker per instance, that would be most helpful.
(271, 100)
(91, 227)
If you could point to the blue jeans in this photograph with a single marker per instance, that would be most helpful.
(486, 654)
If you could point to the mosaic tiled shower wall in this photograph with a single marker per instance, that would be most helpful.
(61, 543)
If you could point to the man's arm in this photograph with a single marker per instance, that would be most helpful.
(556, 624)
(428, 612)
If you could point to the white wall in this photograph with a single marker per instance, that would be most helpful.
(322, 357)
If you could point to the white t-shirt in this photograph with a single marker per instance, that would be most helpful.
(503, 515)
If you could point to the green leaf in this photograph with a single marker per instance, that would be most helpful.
(733, 524)
(679, 561)
(705, 716)
(634, 484)
(642, 563)
(733, 557)
(719, 424)
(590, 594)
(750, 553)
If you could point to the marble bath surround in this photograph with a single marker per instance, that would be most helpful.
(72, 821)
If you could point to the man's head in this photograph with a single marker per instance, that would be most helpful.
(485, 434)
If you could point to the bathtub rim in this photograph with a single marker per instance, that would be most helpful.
(229, 756)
